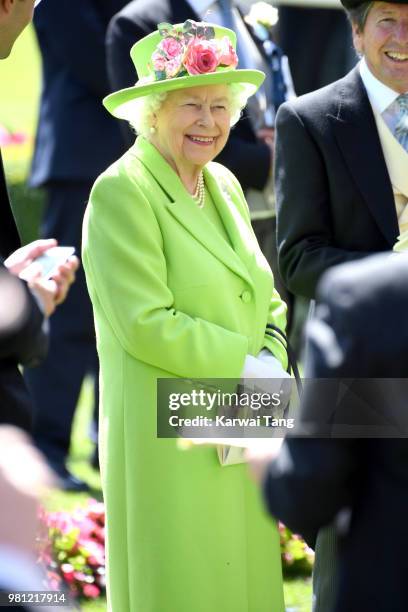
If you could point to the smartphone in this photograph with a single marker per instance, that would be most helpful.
(49, 261)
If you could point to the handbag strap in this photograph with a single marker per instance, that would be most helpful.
(275, 332)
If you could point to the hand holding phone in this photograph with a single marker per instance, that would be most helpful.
(48, 263)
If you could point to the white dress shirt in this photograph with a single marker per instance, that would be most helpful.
(384, 103)
(382, 98)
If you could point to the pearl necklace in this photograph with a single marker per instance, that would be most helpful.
(199, 194)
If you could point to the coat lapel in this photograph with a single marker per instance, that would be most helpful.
(357, 136)
(181, 206)
(241, 235)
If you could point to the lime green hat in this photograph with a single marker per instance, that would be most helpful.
(180, 56)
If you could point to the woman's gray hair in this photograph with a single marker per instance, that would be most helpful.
(358, 16)
(145, 107)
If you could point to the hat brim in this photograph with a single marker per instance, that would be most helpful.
(120, 103)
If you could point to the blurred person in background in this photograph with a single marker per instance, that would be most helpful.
(318, 44)
(76, 139)
(249, 150)
(20, 493)
(341, 168)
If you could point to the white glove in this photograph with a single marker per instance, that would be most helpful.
(270, 377)
(263, 366)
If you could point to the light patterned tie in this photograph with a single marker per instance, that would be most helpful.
(401, 128)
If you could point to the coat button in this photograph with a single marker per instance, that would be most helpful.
(246, 297)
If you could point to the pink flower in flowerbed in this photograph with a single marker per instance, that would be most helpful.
(74, 551)
(201, 56)
(226, 53)
(68, 572)
(171, 47)
(8, 138)
(96, 511)
(91, 591)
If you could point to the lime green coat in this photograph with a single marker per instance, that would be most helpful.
(173, 299)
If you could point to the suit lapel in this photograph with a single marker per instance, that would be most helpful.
(180, 205)
(357, 136)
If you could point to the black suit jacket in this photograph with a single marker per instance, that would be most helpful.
(26, 341)
(315, 61)
(76, 137)
(334, 197)
(359, 332)
(247, 157)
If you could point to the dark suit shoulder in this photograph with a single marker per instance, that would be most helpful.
(145, 14)
(367, 300)
(326, 101)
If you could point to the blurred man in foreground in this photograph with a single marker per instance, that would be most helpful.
(352, 469)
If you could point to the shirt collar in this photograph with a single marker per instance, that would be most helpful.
(381, 96)
(200, 6)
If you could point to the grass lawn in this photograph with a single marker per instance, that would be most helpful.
(20, 89)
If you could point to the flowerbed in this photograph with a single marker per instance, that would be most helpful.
(297, 557)
(73, 550)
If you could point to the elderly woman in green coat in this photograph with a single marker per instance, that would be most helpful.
(179, 288)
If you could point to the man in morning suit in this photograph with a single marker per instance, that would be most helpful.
(356, 339)
(76, 140)
(249, 151)
(341, 172)
(340, 183)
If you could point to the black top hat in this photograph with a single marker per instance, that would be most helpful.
(351, 4)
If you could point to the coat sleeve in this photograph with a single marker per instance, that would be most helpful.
(23, 330)
(312, 478)
(306, 247)
(309, 483)
(277, 317)
(126, 274)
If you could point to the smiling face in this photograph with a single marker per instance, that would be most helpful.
(192, 126)
(384, 44)
(15, 15)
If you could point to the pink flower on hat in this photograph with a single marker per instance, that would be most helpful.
(201, 56)
(171, 47)
(173, 66)
(159, 62)
(226, 53)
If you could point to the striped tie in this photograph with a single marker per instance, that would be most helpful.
(401, 128)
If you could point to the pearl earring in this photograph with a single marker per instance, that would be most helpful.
(152, 129)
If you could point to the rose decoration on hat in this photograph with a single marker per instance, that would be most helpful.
(189, 54)
(190, 50)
